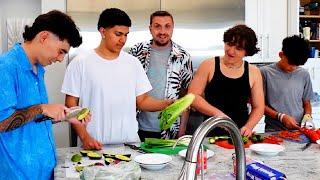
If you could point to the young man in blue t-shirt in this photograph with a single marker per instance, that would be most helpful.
(27, 148)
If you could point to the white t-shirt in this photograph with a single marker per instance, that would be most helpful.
(109, 89)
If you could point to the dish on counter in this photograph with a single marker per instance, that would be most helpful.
(267, 149)
(183, 153)
(153, 161)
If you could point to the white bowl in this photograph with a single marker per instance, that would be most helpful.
(267, 149)
(153, 166)
(153, 161)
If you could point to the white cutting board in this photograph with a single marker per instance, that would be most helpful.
(71, 171)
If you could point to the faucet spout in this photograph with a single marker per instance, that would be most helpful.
(189, 166)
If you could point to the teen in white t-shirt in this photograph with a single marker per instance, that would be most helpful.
(112, 84)
(109, 88)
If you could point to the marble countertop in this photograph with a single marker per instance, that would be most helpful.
(293, 162)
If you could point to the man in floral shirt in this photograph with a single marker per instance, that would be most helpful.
(169, 70)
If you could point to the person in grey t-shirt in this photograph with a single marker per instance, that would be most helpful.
(169, 70)
(287, 87)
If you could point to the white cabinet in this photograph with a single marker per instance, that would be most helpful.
(313, 67)
(268, 18)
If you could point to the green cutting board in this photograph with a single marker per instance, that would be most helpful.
(162, 150)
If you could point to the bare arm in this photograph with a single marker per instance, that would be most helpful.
(184, 118)
(86, 139)
(19, 118)
(23, 116)
(72, 101)
(148, 103)
(183, 123)
(307, 107)
(270, 112)
(257, 99)
(197, 87)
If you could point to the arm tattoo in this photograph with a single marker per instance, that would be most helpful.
(19, 118)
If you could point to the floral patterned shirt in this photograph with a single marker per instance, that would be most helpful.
(179, 74)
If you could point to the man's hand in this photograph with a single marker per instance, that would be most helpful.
(289, 122)
(83, 121)
(55, 111)
(90, 143)
(75, 120)
(245, 131)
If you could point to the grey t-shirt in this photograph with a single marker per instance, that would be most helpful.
(285, 92)
(157, 74)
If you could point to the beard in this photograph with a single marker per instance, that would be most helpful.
(159, 43)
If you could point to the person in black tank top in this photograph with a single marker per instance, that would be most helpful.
(222, 86)
(221, 93)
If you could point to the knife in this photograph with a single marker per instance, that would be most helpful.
(134, 147)
(306, 146)
(71, 114)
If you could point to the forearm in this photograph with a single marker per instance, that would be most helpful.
(271, 112)
(254, 117)
(19, 118)
(81, 131)
(184, 121)
(201, 105)
(150, 104)
(307, 107)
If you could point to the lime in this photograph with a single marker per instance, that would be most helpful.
(76, 158)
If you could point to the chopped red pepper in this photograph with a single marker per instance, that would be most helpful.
(311, 134)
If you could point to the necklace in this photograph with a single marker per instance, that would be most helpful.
(232, 66)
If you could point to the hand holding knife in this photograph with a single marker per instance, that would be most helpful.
(74, 112)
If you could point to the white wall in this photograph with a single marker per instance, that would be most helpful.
(16, 8)
(47, 5)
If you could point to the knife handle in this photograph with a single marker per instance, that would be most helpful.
(43, 118)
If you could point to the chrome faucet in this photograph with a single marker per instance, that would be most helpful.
(189, 166)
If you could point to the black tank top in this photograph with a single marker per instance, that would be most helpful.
(229, 95)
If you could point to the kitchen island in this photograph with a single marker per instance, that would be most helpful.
(293, 162)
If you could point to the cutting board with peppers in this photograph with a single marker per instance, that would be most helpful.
(313, 135)
(225, 142)
(304, 135)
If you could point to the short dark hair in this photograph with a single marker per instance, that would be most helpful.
(296, 49)
(113, 16)
(56, 22)
(160, 13)
(243, 37)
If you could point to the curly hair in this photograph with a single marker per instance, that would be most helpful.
(56, 22)
(243, 37)
(113, 16)
(296, 49)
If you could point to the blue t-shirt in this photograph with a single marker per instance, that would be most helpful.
(27, 152)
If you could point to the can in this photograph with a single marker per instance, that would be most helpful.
(202, 162)
(248, 161)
